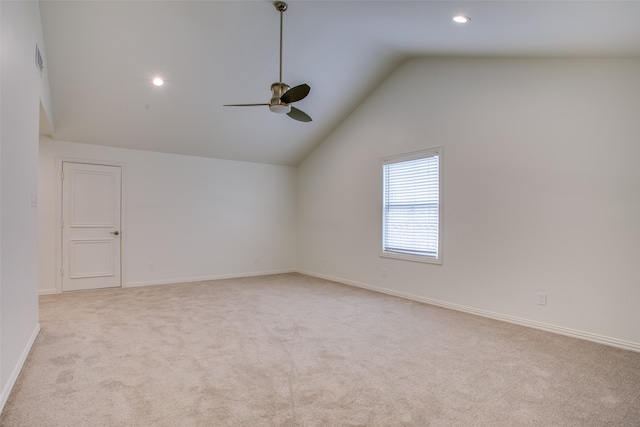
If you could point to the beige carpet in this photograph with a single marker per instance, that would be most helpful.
(291, 350)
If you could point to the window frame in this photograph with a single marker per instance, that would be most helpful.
(399, 158)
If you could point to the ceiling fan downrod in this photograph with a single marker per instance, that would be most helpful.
(280, 7)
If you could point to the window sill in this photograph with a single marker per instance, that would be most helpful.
(408, 257)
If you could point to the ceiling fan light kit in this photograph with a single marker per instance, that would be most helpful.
(282, 96)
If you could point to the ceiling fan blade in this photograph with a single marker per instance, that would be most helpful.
(243, 105)
(298, 115)
(295, 94)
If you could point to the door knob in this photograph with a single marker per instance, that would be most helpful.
(115, 233)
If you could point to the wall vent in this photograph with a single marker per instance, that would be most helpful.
(39, 62)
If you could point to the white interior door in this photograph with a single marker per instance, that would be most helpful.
(91, 217)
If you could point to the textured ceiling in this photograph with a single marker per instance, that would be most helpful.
(101, 57)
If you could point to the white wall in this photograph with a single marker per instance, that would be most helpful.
(193, 218)
(23, 91)
(541, 179)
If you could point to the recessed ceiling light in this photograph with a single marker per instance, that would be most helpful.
(461, 19)
(158, 81)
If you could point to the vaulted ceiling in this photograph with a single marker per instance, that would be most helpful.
(102, 55)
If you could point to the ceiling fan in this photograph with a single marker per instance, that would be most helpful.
(281, 95)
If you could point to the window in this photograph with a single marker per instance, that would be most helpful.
(411, 206)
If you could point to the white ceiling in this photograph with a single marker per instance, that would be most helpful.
(101, 57)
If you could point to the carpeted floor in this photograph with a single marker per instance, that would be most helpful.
(291, 350)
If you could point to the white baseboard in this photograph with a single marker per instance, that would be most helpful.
(6, 391)
(204, 278)
(588, 336)
(47, 291)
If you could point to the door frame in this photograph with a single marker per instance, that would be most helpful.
(59, 205)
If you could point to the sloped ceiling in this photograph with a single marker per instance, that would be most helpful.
(102, 56)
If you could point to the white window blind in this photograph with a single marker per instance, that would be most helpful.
(411, 205)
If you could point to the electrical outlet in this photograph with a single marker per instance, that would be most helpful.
(542, 298)
(383, 272)
(151, 266)
(256, 260)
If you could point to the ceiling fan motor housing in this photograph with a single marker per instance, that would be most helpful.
(276, 105)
